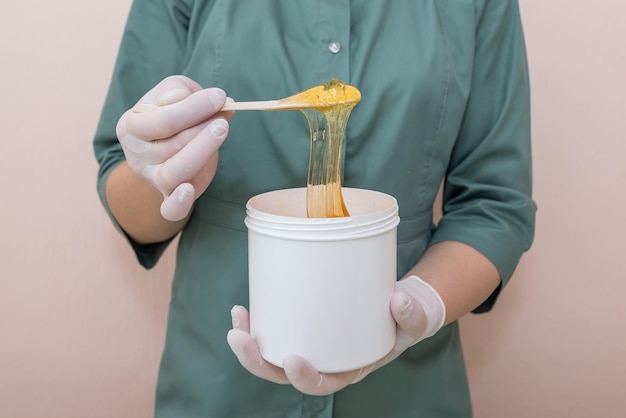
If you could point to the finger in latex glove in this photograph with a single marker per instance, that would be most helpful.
(419, 313)
(173, 142)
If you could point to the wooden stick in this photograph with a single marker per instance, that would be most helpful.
(260, 105)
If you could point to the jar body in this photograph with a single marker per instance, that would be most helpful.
(320, 288)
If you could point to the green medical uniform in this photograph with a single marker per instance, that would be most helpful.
(445, 98)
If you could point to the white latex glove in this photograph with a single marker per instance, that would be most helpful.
(419, 313)
(171, 138)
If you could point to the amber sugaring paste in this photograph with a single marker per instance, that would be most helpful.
(327, 122)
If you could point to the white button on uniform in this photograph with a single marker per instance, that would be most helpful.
(334, 47)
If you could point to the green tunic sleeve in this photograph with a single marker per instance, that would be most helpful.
(152, 47)
(487, 190)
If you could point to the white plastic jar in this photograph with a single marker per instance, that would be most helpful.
(320, 287)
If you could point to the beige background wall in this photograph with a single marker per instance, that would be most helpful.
(82, 327)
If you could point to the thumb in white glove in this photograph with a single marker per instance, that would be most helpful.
(171, 138)
(418, 311)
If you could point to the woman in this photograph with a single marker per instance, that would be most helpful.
(445, 97)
